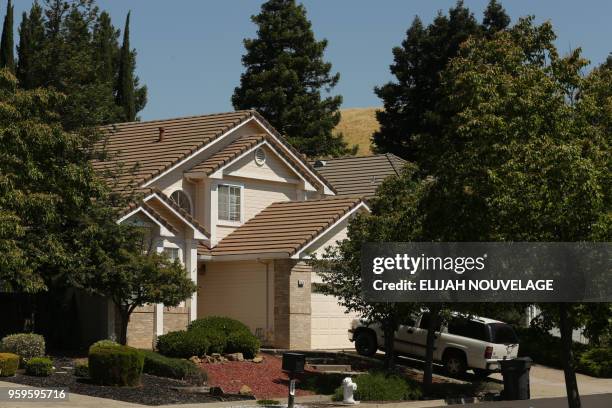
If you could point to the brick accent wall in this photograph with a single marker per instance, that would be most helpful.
(141, 329)
(292, 304)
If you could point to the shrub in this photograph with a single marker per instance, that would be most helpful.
(382, 387)
(81, 369)
(115, 365)
(39, 367)
(245, 343)
(9, 363)
(105, 344)
(223, 324)
(25, 345)
(217, 340)
(596, 362)
(161, 366)
(183, 344)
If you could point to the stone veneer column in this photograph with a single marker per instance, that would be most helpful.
(292, 311)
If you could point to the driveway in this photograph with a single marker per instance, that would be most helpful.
(550, 382)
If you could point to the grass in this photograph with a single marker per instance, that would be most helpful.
(357, 126)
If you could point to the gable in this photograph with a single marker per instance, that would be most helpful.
(273, 167)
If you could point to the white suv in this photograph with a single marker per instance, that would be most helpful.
(477, 343)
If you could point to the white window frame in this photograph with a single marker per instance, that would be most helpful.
(229, 222)
(186, 194)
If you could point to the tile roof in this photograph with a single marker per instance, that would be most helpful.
(359, 176)
(283, 227)
(227, 154)
(137, 145)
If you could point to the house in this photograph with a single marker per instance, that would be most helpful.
(243, 211)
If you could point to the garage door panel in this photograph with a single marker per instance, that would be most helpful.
(329, 323)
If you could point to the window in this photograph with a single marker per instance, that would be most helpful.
(468, 328)
(229, 203)
(425, 322)
(172, 253)
(502, 333)
(182, 200)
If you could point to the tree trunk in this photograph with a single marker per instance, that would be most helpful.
(125, 320)
(571, 386)
(434, 313)
(389, 333)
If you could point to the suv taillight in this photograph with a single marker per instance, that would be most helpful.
(488, 352)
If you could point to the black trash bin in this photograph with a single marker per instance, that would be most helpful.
(516, 378)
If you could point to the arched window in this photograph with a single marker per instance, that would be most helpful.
(182, 200)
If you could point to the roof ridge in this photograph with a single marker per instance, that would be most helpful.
(363, 156)
(387, 155)
(318, 200)
(139, 122)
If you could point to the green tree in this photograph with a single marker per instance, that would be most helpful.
(130, 273)
(47, 187)
(29, 50)
(285, 76)
(527, 155)
(7, 58)
(125, 83)
(411, 119)
(73, 47)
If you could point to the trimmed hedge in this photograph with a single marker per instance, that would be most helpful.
(596, 362)
(115, 365)
(244, 343)
(378, 386)
(9, 363)
(161, 366)
(183, 344)
(39, 367)
(223, 324)
(25, 345)
(209, 335)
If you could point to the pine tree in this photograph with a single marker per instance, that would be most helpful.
(125, 81)
(285, 76)
(7, 58)
(495, 18)
(412, 117)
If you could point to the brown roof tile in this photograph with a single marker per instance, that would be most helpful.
(283, 227)
(137, 145)
(359, 176)
(229, 153)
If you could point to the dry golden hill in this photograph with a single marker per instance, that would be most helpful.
(357, 126)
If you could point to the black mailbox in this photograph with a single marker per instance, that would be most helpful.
(294, 362)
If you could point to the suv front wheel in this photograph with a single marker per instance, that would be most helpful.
(365, 343)
(454, 363)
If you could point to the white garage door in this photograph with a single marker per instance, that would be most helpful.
(329, 329)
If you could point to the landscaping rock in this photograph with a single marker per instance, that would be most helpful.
(258, 359)
(245, 390)
(214, 358)
(195, 359)
(235, 357)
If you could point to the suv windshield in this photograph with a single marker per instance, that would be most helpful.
(502, 333)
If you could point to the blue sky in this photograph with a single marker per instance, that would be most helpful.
(189, 50)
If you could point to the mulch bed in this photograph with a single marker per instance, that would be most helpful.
(266, 379)
(153, 390)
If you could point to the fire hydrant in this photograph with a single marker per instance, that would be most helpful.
(349, 387)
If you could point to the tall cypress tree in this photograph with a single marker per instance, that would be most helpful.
(413, 117)
(125, 81)
(285, 76)
(30, 63)
(7, 57)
